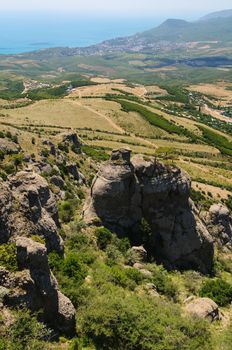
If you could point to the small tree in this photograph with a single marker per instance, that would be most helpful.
(17, 160)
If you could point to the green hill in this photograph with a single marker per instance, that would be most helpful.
(218, 29)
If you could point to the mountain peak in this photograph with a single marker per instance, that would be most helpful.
(216, 15)
(174, 22)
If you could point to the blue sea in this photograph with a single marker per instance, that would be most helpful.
(24, 32)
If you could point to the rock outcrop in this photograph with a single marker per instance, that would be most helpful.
(73, 171)
(35, 288)
(28, 207)
(219, 224)
(126, 193)
(71, 139)
(204, 308)
(9, 147)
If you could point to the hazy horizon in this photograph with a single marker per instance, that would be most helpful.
(129, 8)
(24, 30)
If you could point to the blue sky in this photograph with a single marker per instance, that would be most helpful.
(120, 7)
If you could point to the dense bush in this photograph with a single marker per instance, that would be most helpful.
(163, 282)
(217, 140)
(70, 273)
(96, 153)
(125, 277)
(218, 290)
(156, 120)
(67, 209)
(25, 334)
(228, 202)
(115, 319)
(104, 237)
(8, 256)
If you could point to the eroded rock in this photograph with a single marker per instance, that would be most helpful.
(126, 193)
(73, 140)
(28, 207)
(9, 147)
(204, 308)
(219, 224)
(35, 287)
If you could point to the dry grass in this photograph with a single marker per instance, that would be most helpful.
(130, 122)
(187, 147)
(64, 113)
(209, 174)
(217, 90)
(216, 192)
(107, 88)
(104, 80)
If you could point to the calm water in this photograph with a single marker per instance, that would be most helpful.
(28, 32)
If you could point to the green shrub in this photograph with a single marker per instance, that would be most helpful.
(67, 209)
(228, 202)
(38, 239)
(8, 256)
(73, 267)
(156, 120)
(96, 153)
(9, 168)
(115, 319)
(3, 175)
(26, 333)
(218, 290)
(104, 237)
(114, 256)
(224, 341)
(70, 273)
(217, 140)
(163, 282)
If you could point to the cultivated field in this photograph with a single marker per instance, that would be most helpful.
(102, 123)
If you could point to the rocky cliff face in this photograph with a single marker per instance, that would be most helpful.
(28, 207)
(219, 224)
(35, 287)
(127, 192)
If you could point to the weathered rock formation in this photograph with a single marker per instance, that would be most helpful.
(204, 308)
(9, 147)
(28, 207)
(35, 288)
(219, 224)
(71, 139)
(72, 170)
(127, 193)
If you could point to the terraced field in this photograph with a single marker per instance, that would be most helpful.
(113, 114)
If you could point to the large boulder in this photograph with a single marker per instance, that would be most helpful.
(9, 147)
(71, 139)
(72, 170)
(204, 308)
(28, 207)
(127, 193)
(35, 287)
(219, 224)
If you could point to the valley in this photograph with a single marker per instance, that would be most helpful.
(116, 192)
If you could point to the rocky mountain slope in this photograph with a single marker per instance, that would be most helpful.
(125, 192)
(117, 229)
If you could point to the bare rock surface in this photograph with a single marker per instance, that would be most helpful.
(28, 207)
(35, 287)
(219, 224)
(126, 192)
(5, 212)
(204, 308)
(73, 140)
(9, 147)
